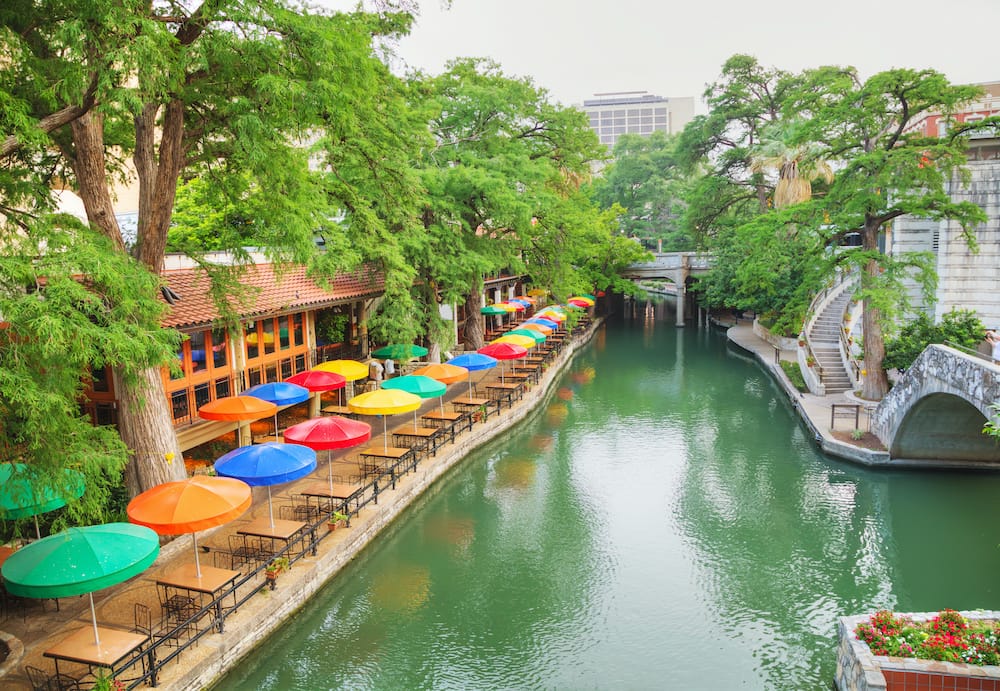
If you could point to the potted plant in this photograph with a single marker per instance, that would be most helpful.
(479, 414)
(337, 520)
(274, 567)
(810, 361)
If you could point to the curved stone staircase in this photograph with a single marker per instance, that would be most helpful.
(824, 340)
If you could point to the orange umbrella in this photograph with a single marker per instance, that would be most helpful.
(235, 408)
(187, 506)
(443, 372)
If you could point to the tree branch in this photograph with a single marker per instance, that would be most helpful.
(60, 118)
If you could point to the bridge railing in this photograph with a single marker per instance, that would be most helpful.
(969, 351)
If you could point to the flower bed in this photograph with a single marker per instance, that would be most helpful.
(894, 652)
(948, 637)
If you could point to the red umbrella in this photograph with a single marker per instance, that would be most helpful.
(326, 433)
(318, 380)
(503, 351)
(237, 408)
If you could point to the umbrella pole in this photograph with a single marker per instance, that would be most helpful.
(270, 509)
(197, 561)
(93, 619)
(329, 465)
(38, 532)
(385, 436)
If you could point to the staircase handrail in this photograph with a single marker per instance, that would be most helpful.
(830, 292)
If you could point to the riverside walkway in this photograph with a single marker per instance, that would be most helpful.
(817, 412)
(30, 633)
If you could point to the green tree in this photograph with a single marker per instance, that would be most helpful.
(719, 147)
(504, 159)
(645, 180)
(285, 114)
(961, 327)
(55, 328)
(885, 170)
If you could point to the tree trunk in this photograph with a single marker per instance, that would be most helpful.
(146, 427)
(473, 320)
(92, 177)
(144, 420)
(876, 383)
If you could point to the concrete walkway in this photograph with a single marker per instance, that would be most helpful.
(814, 410)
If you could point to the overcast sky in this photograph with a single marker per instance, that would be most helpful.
(575, 48)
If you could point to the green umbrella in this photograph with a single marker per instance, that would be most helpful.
(21, 495)
(538, 336)
(80, 560)
(492, 310)
(400, 351)
(417, 384)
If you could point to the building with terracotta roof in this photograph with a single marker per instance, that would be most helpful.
(287, 323)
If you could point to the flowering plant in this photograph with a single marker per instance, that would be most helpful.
(948, 637)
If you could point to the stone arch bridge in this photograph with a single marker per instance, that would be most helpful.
(676, 267)
(936, 412)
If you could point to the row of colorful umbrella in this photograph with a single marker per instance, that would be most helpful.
(82, 560)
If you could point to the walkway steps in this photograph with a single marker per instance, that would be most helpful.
(824, 340)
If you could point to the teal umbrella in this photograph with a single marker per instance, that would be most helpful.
(22, 495)
(536, 335)
(419, 385)
(400, 351)
(492, 310)
(80, 560)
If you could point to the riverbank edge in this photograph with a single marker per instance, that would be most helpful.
(744, 338)
(245, 630)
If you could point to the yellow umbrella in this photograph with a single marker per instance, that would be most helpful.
(384, 402)
(351, 370)
(523, 341)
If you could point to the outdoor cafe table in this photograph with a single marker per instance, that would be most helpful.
(423, 438)
(447, 422)
(321, 491)
(503, 393)
(283, 530)
(469, 404)
(373, 459)
(213, 581)
(116, 646)
(534, 372)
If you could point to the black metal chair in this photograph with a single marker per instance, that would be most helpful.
(43, 681)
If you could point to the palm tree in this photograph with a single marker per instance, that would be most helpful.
(797, 163)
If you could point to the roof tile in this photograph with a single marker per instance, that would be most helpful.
(270, 291)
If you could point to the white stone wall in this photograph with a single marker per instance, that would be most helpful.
(966, 279)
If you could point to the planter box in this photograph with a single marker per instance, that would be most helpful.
(859, 670)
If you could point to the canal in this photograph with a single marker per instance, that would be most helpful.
(663, 522)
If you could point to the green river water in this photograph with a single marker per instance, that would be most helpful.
(663, 522)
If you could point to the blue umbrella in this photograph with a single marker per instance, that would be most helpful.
(279, 393)
(473, 362)
(263, 465)
(544, 322)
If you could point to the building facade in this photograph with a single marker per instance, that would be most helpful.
(636, 112)
(967, 278)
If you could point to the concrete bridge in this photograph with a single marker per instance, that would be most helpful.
(676, 267)
(936, 412)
